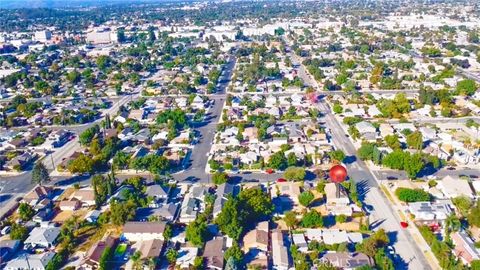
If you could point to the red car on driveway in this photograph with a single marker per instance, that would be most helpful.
(281, 180)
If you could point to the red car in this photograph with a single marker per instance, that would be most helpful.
(269, 171)
(281, 180)
(404, 224)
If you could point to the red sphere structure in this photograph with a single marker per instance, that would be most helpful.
(338, 174)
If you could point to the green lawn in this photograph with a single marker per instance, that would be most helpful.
(120, 250)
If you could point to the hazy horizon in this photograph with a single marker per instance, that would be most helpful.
(11, 4)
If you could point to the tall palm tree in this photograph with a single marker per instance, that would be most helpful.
(452, 223)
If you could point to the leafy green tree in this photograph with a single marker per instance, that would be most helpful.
(251, 205)
(463, 204)
(18, 232)
(365, 152)
(219, 178)
(305, 198)
(382, 261)
(321, 186)
(292, 159)
(295, 173)
(40, 173)
(198, 263)
(87, 136)
(168, 232)
(413, 165)
(290, 219)
(82, 164)
(395, 160)
(231, 264)
(412, 195)
(474, 215)
(341, 218)
(475, 265)
(121, 212)
(196, 232)
(278, 161)
(230, 219)
(415, 140)
(337, 155)
(376, 241)
(312, 219)
(73, 77)
(452, 223)
(337, 108)
(393, 141)
(466, 87)
(234, 252)
(171, 255)
(26, 211)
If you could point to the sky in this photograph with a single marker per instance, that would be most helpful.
(64, 3)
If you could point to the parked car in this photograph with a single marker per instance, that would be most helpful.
(281, 180)
(269, 171)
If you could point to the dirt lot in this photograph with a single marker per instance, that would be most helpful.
(62, 216)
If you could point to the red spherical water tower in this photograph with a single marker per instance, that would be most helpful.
(338, 174)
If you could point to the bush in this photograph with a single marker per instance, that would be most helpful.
(295, 173)
(305, 198)
(312, 219)
(412, 195)
(341, 219)
(219, 178)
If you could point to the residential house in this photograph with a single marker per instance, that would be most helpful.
(92, 258)
(186, 257)
(386, 129)
(347, 261)
(158, 193)
(257, 238)
(287, 194)
(152, 248)
(251, 134)
(44, 237)
(37, 194)
(20, 162)
(334, 236)
(465, 248)
(197, 103)
(121, 117)
(452, 187)
(31, 261)
(366, 129)
(300, 242)
(136, 115)
(92, 216)
(428, 211)
(140, 231)
(280, 257)
(70, 205)
(192, 203)
(223, 192)
(337, 200)
(85, 196)
(214, 252)
(126, 134)
(17, 143)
